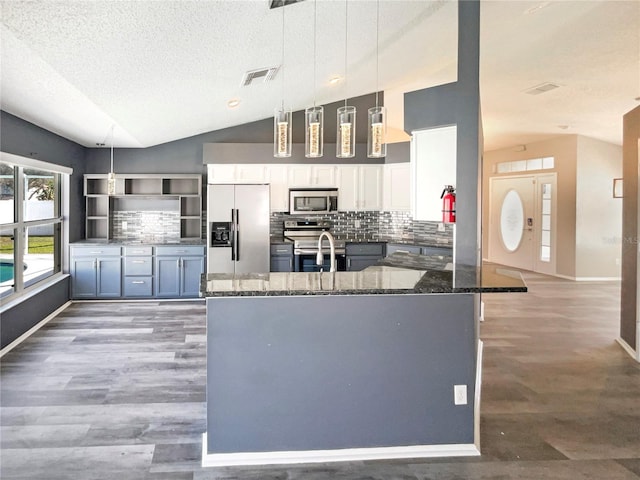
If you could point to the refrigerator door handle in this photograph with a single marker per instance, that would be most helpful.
(233, 235)
(237, 235)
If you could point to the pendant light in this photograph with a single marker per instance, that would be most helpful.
(346, 124)
(377, 116)
(111, 178)
(314, 116)
(282, 117)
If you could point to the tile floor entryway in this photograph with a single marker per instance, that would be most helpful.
(116, 391)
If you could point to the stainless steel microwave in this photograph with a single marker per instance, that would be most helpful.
(306, 201)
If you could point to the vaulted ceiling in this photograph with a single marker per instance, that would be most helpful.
(164, 70)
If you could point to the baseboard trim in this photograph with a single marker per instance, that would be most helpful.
(32, 330)
(627, 348)
(588, 279)
(338, 455)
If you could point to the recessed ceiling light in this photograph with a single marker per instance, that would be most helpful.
(335, 80)
(233, 103)
(563, 127)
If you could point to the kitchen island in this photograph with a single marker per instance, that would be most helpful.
(316, 367)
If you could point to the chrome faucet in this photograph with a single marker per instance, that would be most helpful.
(332, 245)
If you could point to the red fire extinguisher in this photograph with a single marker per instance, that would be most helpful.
(448, 204)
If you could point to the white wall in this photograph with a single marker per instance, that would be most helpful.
(598, 214)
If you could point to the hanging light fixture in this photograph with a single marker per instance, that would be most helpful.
(282, 117)
(377, 116)
(111, 178)
(346, 125)
(314, 116)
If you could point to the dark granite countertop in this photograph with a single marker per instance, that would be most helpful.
(400, 273)
(124, 243)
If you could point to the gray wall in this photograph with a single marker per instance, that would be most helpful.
(331, 378)
(23, 138)
(630, 201)
(458, 104)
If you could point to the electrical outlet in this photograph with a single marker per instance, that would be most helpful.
(441, 227)
(356, 223)
(460, 394)
(124, 225)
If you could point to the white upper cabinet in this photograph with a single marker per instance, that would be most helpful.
(433, 164)
(397, 187)
(247, 173)
(360, 187)
(221, 173)
(312, 175)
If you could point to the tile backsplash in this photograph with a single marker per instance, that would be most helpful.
(372, 224)
(148, 226)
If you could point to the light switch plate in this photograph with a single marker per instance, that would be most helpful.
(460, 394)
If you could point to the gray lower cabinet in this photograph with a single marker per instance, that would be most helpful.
(363, 255)
(138, 272)
(281, 257)
(96, 272)
(178, 271)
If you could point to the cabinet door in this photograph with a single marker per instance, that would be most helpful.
(221, 173)
(247, 173)
(397, 187)
(167, 276)
(360, 262)
(278, 180)
(433, 161)
(282, 264)
(83, 277)
(192, 269)
(299, 175)
(403, 249)
(348, 187)
(370, 197)
(323, 175)
(109, 277)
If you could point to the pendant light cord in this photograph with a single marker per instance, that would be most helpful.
(346, 29)
(283, 5)
(377, 47)
(315, 39)
(112, 127)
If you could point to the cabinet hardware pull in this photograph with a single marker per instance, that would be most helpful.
(282, 251)
(137, 261)
(97, 253)
(138, 282)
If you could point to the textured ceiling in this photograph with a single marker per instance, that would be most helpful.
(163, 70)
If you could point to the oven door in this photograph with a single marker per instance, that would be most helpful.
(306, 262)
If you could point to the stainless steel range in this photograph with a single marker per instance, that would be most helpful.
(304, 234)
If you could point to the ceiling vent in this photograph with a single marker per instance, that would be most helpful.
(281, 3)
(264, 74)
(542, 88)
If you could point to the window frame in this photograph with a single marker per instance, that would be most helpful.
(20, 226)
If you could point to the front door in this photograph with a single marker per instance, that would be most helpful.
(522, 212)
(511, 217)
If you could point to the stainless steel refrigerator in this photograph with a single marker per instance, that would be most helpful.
(237, 228)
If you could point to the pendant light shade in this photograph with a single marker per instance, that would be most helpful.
(377, 130)
(282, 133)
(314, 123)
(346, 131)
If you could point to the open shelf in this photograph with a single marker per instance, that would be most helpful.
(190, 228)
(142, 186)
(95, 186)
(190, 206)
(181, 186)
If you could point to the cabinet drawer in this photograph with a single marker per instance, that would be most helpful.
(403, 248)
(139, 251)
(138, 286)
(96, 251)
(365, 249)
(180, 250)
(281, 249)
(138, 265)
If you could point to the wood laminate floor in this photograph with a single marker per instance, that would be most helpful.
(117, 391)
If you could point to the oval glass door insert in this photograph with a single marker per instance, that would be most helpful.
(512, 220)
